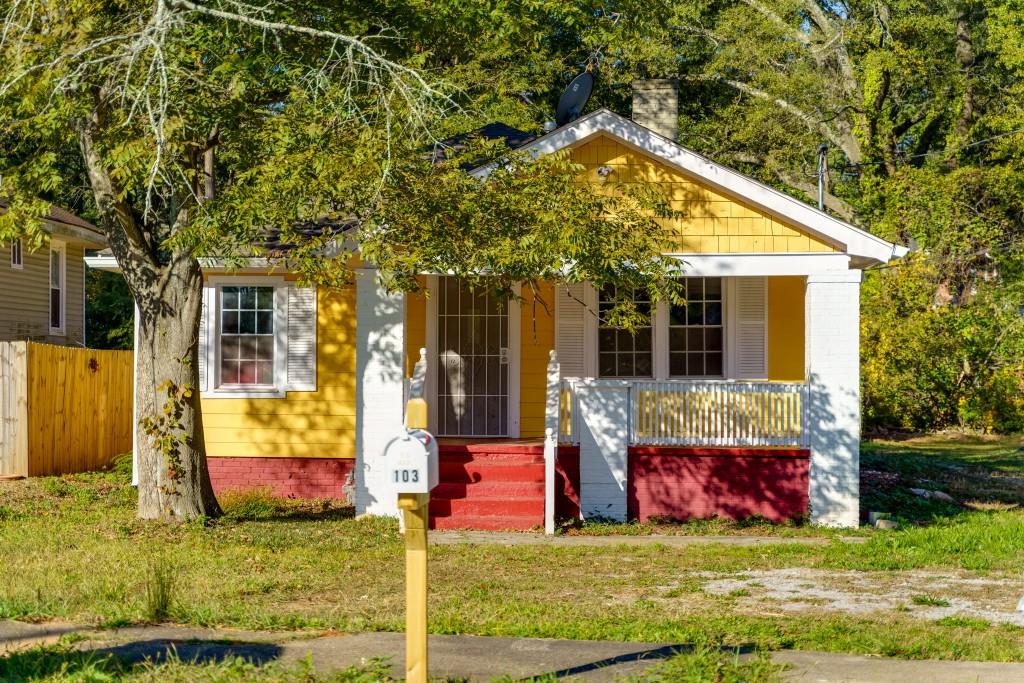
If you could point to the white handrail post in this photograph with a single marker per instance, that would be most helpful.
(552, 420)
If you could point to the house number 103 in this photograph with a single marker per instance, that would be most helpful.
(406, 476)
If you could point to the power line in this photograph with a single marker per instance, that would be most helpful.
(921, 155)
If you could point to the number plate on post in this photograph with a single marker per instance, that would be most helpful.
(411, 461)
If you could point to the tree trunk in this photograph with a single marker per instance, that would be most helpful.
(174, 482)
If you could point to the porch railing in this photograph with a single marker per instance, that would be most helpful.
(697, 413)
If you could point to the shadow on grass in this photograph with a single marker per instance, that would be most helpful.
(650, 657)
(113, 663)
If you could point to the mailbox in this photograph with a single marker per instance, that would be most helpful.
(411, 462)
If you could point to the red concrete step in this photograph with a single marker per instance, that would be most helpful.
(498, 448)
(490, 460)
(454, 507)
(476, 472)
(488, 489)
(488, 523)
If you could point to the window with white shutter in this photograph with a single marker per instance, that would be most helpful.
(749, 308)
(257, 338)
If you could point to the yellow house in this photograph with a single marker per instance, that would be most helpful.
(743, 402)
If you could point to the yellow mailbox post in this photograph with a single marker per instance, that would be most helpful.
(413, 470)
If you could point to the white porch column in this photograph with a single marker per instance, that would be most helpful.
(380, 345)
(833, 412)
(604, 440)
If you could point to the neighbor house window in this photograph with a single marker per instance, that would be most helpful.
(57, 281)
(622, 353)
(16, 256)
(695, 338)
(247, 336)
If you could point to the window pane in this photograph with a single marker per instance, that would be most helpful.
(229, 371)
(695, 364)
(677, 315)
(229, 324)
(606, 340)
(265, 322)
(714, 364)
(264, 372)
(55, 270)
(247, 322)
(642, 365)
(677, 339)
(54, 308)
(713, 313)
(625, 365)
(695, 313)
(265, 298)
(264, 348)
(713, 289)
(713, 338)
(642, 340)
(247, 348)
(677, 364)
(230, 299)
(607, 365)
(695, 339)
(229, 347)
(247, 372)
(247, 298)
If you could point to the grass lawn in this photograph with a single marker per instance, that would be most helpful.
(72, 550)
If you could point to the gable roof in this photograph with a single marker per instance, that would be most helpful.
(62, 222)
(863, 247)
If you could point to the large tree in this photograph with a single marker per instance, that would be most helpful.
(204, 127)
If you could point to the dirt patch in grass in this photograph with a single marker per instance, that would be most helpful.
(926, 595)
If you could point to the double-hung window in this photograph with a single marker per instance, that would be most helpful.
(686, 340)
(247, 340)
(16, 254)
(622, 353)
(695, 330)
(58, 278)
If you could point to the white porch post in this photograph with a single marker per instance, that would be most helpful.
(833, 411)
(604, 441)
(380, 346)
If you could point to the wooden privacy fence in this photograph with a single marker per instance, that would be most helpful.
(62, 409)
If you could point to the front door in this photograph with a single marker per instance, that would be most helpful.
(472, 377)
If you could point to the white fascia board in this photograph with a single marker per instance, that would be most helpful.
(857, 242)
(740, 265)
(107, 262)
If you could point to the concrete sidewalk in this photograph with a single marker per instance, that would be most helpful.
(477, 658)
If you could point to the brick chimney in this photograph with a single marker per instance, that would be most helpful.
(656, 106)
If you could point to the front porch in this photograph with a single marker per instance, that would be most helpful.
(766, 424)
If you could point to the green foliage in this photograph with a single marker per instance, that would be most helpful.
(252, 504)
(109, 311)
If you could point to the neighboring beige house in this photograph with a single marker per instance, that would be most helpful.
(42, 292)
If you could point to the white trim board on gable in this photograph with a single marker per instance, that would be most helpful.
(862, 246)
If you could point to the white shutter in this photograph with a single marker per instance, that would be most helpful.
(749, 335)
(206, 324)
(570, 329)
(301, 339)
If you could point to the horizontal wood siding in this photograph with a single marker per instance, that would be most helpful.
(304, 424)
(537, 339)
(681, 484)
(79, 408)
(711, 223)
(25, 297)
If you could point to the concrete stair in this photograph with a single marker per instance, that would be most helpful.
(495, 486)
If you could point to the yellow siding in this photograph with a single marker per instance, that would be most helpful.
(415, 326)
(786, 329)
(711, 222)
(537, 340)
(314, 424)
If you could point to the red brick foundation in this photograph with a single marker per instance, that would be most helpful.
(288, 477)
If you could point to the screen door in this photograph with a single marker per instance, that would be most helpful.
(472, 367)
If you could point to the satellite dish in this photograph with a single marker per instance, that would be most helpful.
(572, 101)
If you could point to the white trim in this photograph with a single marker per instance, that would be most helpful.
(135, 397)
(738, 265)
(848, 276)
(591, 323)
(857, 242)
(431, 381)
(515, 367)
(17, 243)
(514, 313)
(278, 390)
(59, 247)
(660, 340)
